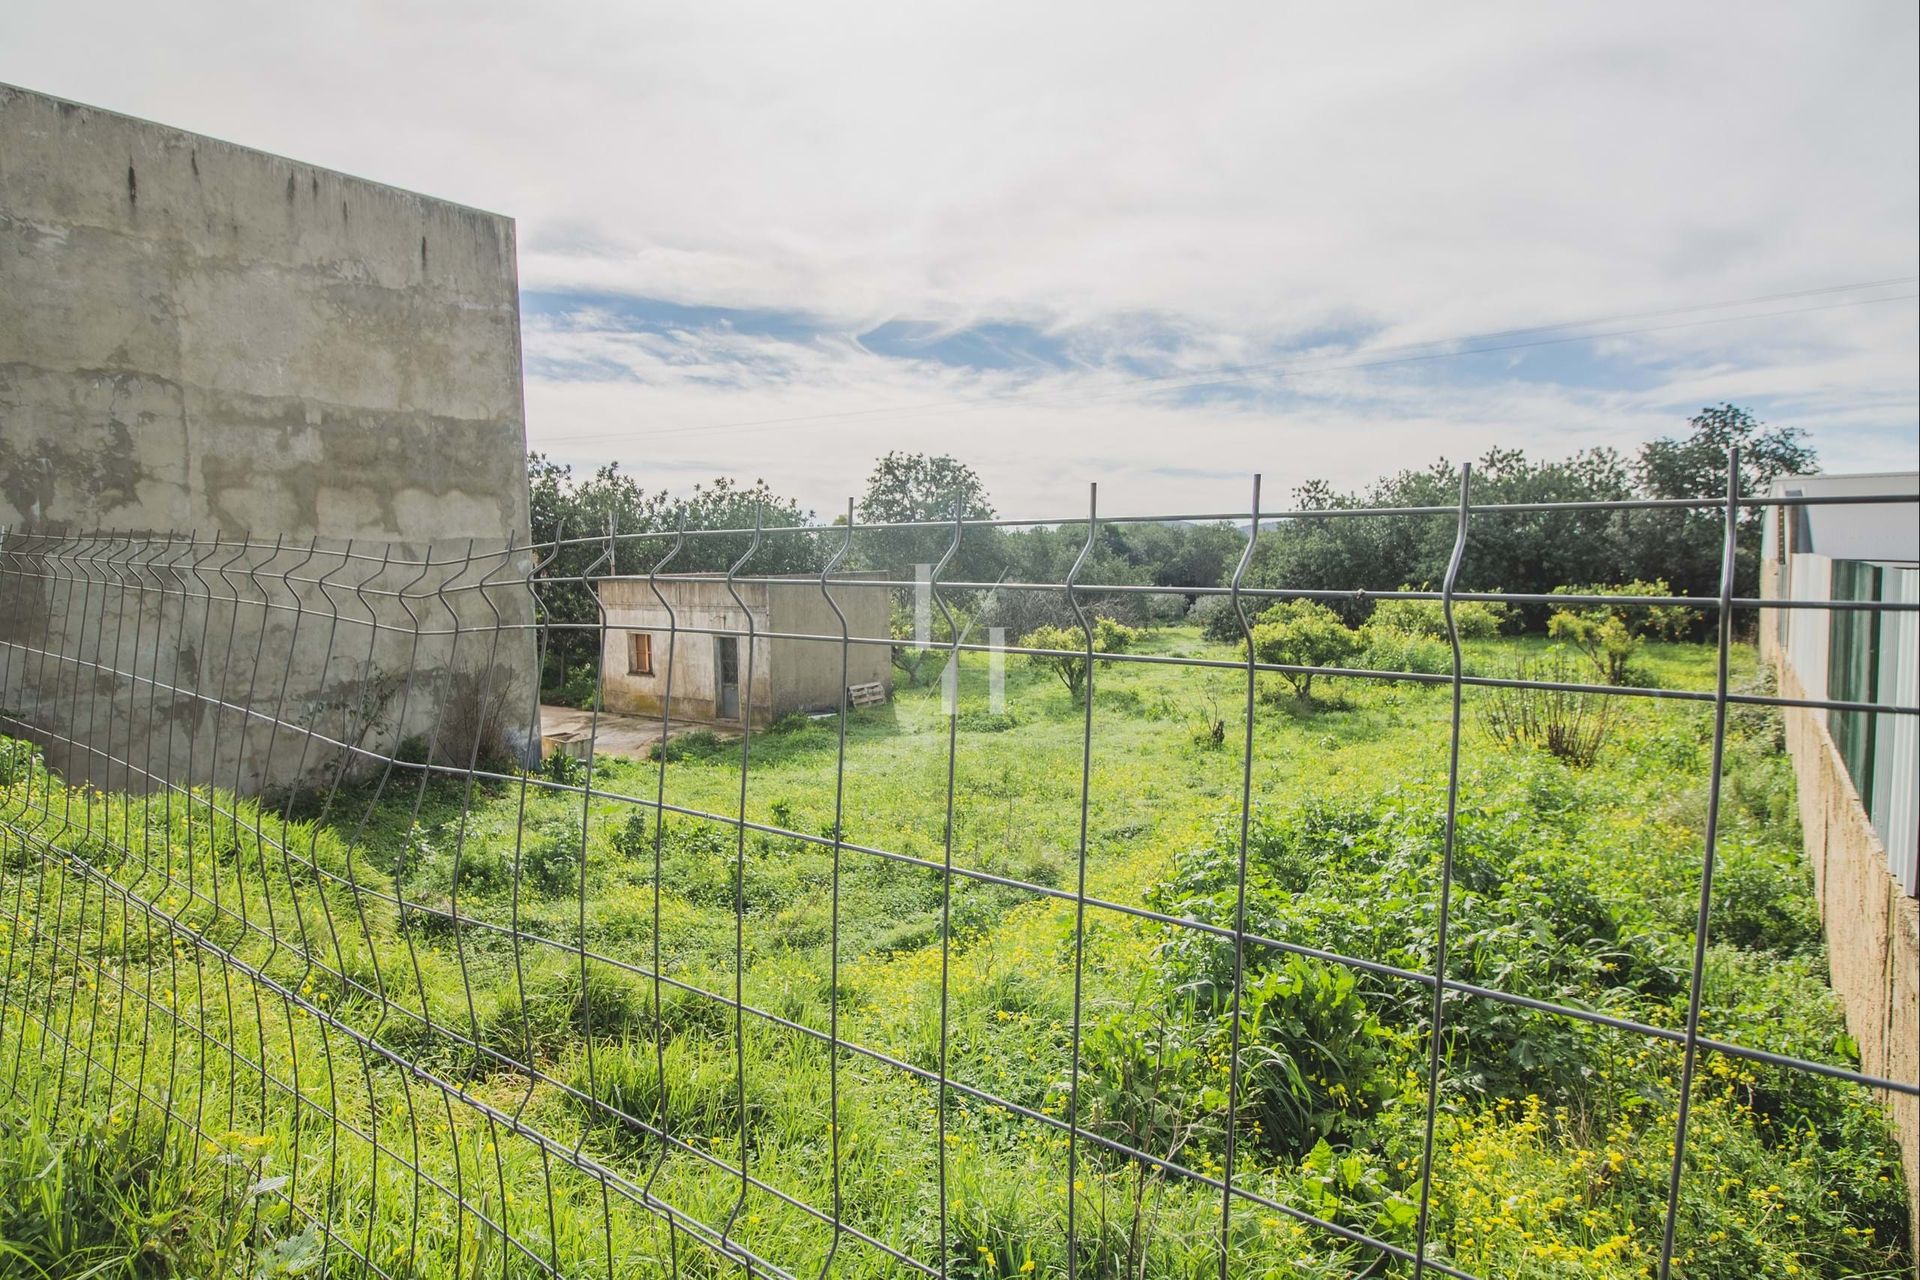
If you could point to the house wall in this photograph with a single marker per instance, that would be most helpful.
(788, 675)
(1802, 639)
(698, 607)
(806, 673)
(1872, 925)
(198, 336)
(1872, 921)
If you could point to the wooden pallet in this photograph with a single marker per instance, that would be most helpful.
(871, 694)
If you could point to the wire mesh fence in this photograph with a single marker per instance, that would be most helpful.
(761, 971)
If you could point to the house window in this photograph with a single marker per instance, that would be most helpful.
(639, 653)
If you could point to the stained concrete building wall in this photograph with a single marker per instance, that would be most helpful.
(1872, 925)
(198, 336)
(807, 672)
(1871, 921)
(789, 674)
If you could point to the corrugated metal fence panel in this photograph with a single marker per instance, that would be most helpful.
(1810, 578)
(1896, 789)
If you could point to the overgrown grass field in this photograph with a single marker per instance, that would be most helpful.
(407, 961)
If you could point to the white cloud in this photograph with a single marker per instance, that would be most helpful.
(1234, 175)
(810, 415)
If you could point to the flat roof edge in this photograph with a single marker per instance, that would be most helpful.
(8, 90)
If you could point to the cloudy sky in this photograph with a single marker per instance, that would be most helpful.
(1161, 247)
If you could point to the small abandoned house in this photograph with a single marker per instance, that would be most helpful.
(708, 642)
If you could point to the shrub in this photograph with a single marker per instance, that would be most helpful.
(1524, 920)
(478, 867)
(634, 836)
(1571, 725)
(550, 860)
(1215, 617)
(1388, 649)
(1108, 637)
(1786, 1006)
(578, 689)
(1303, 634)
(1763, 726)
(1520, 1192)
(1211, 733)
(1610, 635)
(1351, 1187)
(568, 771)
(1474, 619)
(1763, 901)
(1314, 1059)
(981, 720)
(700, 864)
(1142, 1078)
(475, 717)
(699, 744)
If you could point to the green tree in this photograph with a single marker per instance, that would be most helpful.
(916, 488)
(575, 518)
(1685, 547)
(1303, 634)
(1473, 619)
(1046, 555)
(1182, 556)
(1530, 551)
(1696, 466)
(915, 655)
(1534, 551)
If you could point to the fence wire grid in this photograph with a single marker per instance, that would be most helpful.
(251, 977)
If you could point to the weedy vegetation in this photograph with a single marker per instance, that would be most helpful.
(473, 991)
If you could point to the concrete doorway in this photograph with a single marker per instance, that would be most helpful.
(727, 664)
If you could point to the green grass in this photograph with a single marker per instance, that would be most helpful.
(1554, 1135)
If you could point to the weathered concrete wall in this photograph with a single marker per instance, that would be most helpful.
(806, 673)
(788, 675)
(141, 661)
(699, 609)
(1872, 927)
(194, 335)
(197, 336)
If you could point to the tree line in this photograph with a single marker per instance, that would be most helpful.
(1533, 552)
(1536, 552)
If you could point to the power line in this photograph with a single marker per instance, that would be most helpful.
(1412, 353)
